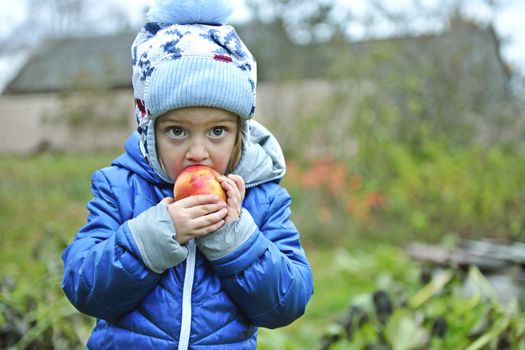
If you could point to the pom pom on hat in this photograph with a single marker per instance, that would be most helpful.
(190, 11)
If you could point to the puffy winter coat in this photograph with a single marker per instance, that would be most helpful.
(197, 304)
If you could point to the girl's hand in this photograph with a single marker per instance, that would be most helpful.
(196, 216)
(235, 190)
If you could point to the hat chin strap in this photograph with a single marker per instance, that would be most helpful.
(151, 153)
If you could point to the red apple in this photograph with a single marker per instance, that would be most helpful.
(198, 179)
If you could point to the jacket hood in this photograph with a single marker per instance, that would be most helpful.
(133, 160)
(262, 159)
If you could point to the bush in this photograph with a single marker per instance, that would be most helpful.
(394, 194)
(442, 314)
(42, 202)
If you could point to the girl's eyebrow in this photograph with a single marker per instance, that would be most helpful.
(190, 122)
(167, 121)
(221, 121)
(174, 120)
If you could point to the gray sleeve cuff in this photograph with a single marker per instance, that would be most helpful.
(228, 238)
(153, 232)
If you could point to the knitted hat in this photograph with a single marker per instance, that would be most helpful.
(187, 57)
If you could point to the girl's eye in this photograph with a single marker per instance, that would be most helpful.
(176, 132)
(217, 132)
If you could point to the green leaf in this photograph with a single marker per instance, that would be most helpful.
(436, 284)
(491, 335)
(404, 333)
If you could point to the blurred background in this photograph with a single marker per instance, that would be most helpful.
(403, 126)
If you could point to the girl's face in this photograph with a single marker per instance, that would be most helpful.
(195, 135)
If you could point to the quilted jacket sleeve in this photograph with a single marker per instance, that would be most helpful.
(269, 276)
(104, 275)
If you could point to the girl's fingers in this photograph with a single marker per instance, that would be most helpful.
(209, 229)
(191, 227)
(239, 184)
(202, 199)
(239, 181)
(230, 187)
(204, 210)
(206, 230)
(209, 223)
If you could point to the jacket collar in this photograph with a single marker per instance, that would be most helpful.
(133, 160)
(262, 158)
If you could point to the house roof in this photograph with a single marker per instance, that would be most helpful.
(67, 63)
(89, 62)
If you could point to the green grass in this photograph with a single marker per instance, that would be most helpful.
(42, 205)
(342, 276)
(42, 201)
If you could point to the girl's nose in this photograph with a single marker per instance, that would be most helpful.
(197, 151)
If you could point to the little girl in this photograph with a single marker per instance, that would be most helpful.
(196, 273)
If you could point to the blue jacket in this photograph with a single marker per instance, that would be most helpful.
(199, 303)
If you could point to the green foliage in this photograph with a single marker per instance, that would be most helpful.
(42, 202)
(443, 314)
(342, 276)
(471, 191)
(42, 206)
(394, 193)
(403, 156)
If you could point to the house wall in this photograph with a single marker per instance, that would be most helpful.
(34, 123)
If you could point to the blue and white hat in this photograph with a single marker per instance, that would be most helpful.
(186, 56)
